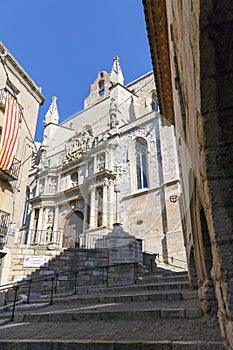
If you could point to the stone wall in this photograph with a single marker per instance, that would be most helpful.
(199, 43)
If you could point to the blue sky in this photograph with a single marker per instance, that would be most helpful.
(64, 44)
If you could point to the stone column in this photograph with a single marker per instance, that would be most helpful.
(31, 227)
(111, 212)
(40, 226)
(56, 216)
(56, 238)
(105, 202)
(92, 207)
(46, 190)
(58, 183)
(94, 165)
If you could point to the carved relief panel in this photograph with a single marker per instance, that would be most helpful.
(52, 184)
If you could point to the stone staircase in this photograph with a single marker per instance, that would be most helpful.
(160, 312)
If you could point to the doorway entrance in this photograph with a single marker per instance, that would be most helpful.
(72, 229)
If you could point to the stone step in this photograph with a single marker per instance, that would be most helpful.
(163, 288)
(124, 296)
(176, 299)
(109, 345)
(161, 312)
(132, 287)
(64, 316)
(157, 283)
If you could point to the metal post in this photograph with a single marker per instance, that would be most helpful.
(29, 290)
(107, 277)
(117, 190)
(75, 282)
(51, 293)
(56, 279)
(135, 273)
(16, 288)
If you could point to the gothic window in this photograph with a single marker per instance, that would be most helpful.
(101, 87)
(141, 164)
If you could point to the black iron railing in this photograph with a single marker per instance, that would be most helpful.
(14, 169)
(12, 173)
(4, 225)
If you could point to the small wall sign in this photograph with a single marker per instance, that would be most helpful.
(36, 261)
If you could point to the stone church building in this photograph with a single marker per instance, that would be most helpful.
(115, 161)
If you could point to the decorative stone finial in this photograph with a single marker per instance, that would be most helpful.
(116, 75)
(52, 115)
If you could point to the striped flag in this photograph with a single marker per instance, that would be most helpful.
(10, 132)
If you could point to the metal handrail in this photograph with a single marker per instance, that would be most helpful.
(54, 278)
(169, 257)
(157, 255)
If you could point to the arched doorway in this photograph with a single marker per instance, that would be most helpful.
(192, 269)
(72, 229)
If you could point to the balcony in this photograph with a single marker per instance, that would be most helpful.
(4, 225)
(13, 172)
(3, 99)
(41, 238)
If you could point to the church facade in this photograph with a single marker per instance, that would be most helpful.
(115, 161)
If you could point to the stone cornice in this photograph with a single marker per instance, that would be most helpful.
(156, 23)
(21, 74)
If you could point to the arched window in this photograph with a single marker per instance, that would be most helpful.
(101, 87)
(141, 164)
